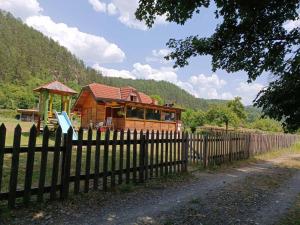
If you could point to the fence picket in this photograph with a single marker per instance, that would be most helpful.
(162, 154)
(128, 157)
(146, 154)
(105, 159)
(156, 153)
(134, 156)
(151, 153)
(78, 162)
(2, 147)
(88, 160)
(29, 164)
(55, 167)
(14, 167)
(43, 166)
(121, 157)
(97, 159)
(113, 160)
(67, 164)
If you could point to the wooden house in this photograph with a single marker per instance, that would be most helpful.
(124, 108)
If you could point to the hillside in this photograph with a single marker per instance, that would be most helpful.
(28, 59)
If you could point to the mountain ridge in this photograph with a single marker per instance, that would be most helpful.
(28, 59)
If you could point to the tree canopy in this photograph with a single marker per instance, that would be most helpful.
(193, 119)
(222, 115)
(250, 37)
(237, 107)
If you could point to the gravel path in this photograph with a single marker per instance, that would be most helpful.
(259, 193)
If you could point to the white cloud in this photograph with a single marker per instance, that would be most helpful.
(125, 11)
(111, 9)
(291, 24)
(114, 73)
(21, 8)
(141, 71)
(248, 92)
(90, 48)
(98, 6)
(145, 71)
(158, 56)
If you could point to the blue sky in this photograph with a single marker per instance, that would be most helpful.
(107, 37)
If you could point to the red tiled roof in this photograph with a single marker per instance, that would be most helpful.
(56, 87)
(109, 92)
(145, 98)
(105, 91)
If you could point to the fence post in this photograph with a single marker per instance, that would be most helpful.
(66, 164)
(142, 158)
(205, 147)
(230, 147)
(186, 149)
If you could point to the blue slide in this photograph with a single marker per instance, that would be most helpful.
(65, 123)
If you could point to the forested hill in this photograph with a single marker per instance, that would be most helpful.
(28, 59)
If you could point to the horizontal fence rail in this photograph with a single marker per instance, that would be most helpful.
(102, 160)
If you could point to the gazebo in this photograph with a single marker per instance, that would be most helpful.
(46, 100)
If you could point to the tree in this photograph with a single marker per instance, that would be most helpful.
(158, 99)
(193, 119)
(237, 107)
(250, 37)
(222, 115)
(267, 124)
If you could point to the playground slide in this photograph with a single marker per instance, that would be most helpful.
(65, 123)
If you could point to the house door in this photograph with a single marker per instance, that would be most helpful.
(108, 112)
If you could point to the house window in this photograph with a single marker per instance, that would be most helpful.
(133, 98)
(168, 116)
(135, 112)
(152, 114)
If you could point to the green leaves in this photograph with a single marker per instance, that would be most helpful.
(252, 37)
(193, 119)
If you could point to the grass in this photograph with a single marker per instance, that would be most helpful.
(293, 216)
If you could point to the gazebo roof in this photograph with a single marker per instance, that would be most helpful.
(56, 87)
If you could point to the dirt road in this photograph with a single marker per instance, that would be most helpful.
(259, 193)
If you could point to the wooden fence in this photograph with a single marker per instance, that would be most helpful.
(100, 161)
(33, 173)
(225, 147)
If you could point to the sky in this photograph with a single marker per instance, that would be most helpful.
(107, 37)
